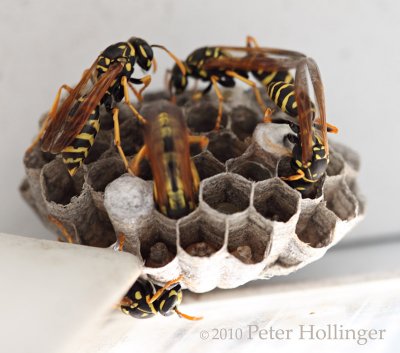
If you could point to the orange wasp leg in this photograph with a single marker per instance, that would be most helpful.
(49, 117)
(124, 83)
(188, 317)
(66, 235)
(163, 289)
(117, 138)
(146, 80)
(203, 142)
(135, 163)
(121, 241)
(214, 81)
(294, 177)
(252, 85)
(135, 92)
(251, 41)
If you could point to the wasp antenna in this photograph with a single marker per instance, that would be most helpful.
(178, 61)
(155, 65)
(188, 317)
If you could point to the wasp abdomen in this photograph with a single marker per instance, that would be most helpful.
(282, 94)
(266, 77)
(74, 154)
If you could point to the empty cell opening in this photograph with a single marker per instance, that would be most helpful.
(59, 186)
(316, 229)
(207, 166)
(340, 200)
(99, 232)
(104, 171)
(252, 171)
(200, 237)
(249, 243)
(202, 117)
(227, 193)
(224, 146)
(243, 122)
(275, 201)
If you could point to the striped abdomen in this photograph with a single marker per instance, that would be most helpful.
(74, 155)
(282, 94)
(266, 77)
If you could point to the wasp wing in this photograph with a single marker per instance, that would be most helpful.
(69, 123)
(55, 127)
(266, 59)
(305, 111)
(318, 87)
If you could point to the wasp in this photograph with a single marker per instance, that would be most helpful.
(310, 154)
(71, 127)
(280, 88)
(144, 300)
(196, 67)
(167, 147)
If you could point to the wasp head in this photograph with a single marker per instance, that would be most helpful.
(143, 51)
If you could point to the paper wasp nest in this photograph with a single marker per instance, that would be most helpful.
(249, 224)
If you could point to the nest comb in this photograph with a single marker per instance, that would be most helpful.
(249, 224)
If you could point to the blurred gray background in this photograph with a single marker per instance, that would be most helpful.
(46, 43)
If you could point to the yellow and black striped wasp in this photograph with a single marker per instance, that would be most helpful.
(144, 300)
(196, 67)
(280, 88)
(167, 147)
(310, 154)
(70, 127)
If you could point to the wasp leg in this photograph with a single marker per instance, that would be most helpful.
(195, 176)
(124, 83)
(268, 115)
(201, 140)
(252, 85)
(135, 163)
(49, 117)
(66, 235)
(117, 138)
(135, 92)
(146, 80)
(187, 317)
(120, 241)
(251, 41)
(294, 177)
(214, 81)
(162, 290)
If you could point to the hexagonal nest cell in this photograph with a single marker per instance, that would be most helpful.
(248, 223)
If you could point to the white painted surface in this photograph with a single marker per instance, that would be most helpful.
(52, 293)
(45, 43)
(363, 295)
